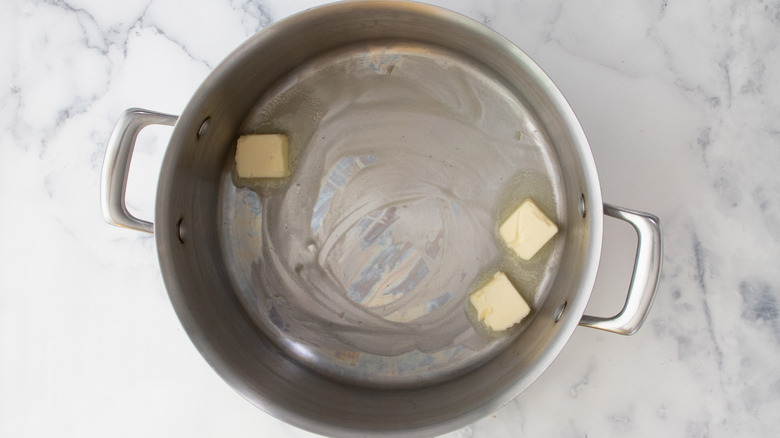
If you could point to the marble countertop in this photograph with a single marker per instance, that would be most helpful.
(681, 105)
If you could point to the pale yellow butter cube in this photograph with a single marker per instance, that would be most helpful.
(262, 156)
(527, 230)
(499, 304)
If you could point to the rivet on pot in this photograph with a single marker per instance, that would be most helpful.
(559, 311)
(581, 205)
(181, 232)
(203, 127)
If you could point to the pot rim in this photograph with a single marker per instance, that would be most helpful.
(191, 120)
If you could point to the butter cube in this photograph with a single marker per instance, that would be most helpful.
(499, 304)
(262, 156)
(527, 230)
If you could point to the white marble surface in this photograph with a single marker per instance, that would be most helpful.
(681, 104)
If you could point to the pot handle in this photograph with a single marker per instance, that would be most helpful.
(113, 182)
(644, 280)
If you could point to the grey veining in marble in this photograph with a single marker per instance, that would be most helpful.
(680, 102)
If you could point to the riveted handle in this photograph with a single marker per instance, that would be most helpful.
(116, 165)
(644, 280)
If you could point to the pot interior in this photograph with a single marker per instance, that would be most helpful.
(336, 299)
(405, 157)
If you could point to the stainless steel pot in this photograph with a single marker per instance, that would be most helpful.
(220, 289)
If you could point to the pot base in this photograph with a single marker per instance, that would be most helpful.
(405, 157)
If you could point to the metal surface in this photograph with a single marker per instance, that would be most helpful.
(116, 165)
(644, 279)
(359, 263)
(209, 230)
